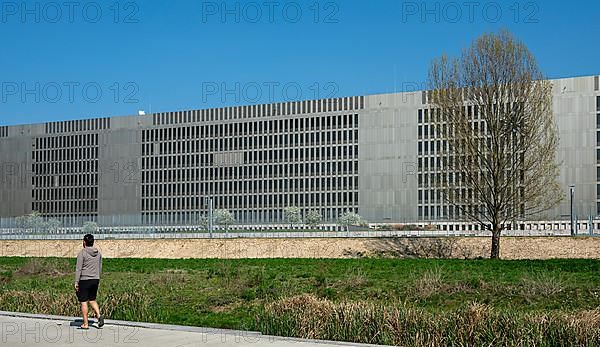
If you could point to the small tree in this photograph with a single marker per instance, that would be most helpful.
(30, 222)
(313, 219)
(363, 223)
(35, 221)
(203, 222)
(348, 219)
(224, 218)
(90, 228)
(292, 215)
(21, 222)
(52, 225)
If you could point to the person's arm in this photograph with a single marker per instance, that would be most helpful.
(78, 267)
(100, 268)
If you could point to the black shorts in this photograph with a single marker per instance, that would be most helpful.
(88, 289)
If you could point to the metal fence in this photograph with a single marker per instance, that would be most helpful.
(138, 233)
(131, 220)
(132, 227)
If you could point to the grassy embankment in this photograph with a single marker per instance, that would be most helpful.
(385, 301)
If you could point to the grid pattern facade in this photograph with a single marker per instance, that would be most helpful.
(258, 111)
(65, 176)
(77, 125)
(434, 163)
(252, 164)
(430, 158)
(375, 154)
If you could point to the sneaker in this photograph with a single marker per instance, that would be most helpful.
(100, 321)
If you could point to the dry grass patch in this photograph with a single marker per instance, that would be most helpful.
(225, 308)
(397, 324)
(355, 278)
(125, 306)
(49, 267)
(31, 301)
(542, 284)
(431, 282)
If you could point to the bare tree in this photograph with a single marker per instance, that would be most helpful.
(492, 114)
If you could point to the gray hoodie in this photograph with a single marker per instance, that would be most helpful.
(89, 264)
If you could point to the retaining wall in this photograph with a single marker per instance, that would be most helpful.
(452, 247)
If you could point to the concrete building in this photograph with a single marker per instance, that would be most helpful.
(365, 154)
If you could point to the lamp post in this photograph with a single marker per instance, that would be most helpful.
(572, 195)
(514, 185)
(209, 203)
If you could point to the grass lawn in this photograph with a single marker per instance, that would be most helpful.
(275, 295)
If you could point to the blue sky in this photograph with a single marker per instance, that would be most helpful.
(106, 58)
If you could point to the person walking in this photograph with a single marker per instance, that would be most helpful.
(87, 279)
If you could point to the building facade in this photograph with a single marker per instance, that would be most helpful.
(369, 154)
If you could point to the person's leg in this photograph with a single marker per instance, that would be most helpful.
(93, 293)
(95, 307)
(84, 313)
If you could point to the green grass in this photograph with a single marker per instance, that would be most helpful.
(250, 294)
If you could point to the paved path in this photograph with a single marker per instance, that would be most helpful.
(24, 330)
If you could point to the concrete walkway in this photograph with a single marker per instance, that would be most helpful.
(28, 330)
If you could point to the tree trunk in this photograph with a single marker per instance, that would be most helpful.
(495, 253)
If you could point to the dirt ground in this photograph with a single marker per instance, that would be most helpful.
(453, 247)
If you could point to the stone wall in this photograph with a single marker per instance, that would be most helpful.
(446, 247)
